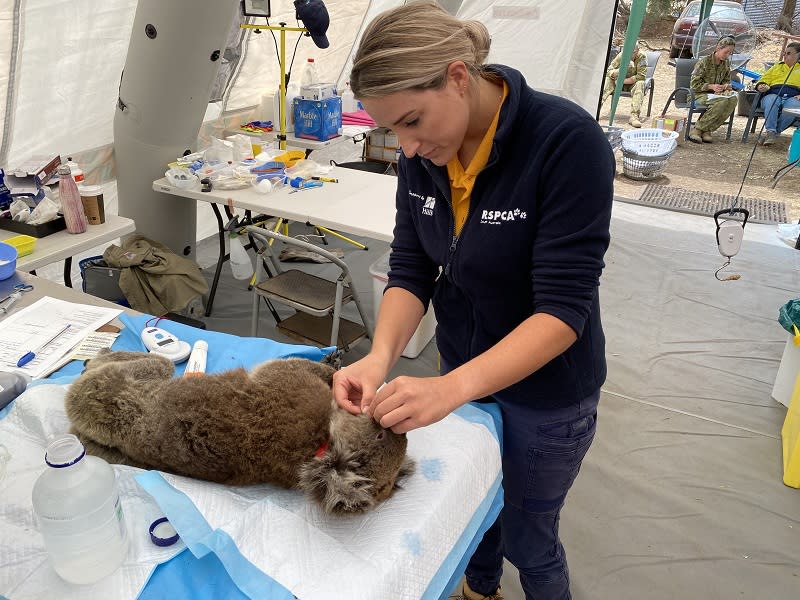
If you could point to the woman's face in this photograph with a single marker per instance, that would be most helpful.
(790, 56)
(428, 123)
(724, 52)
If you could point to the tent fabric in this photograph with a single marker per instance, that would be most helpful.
(61, 63)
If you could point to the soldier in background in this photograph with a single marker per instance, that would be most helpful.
(712, 75)
(634, 82)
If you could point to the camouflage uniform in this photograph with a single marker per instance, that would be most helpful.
(636, 68)
(719, 109)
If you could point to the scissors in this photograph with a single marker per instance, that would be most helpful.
(16, 294)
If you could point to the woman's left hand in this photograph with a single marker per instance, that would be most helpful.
(406, 403)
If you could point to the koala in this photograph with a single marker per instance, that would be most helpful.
(276, 424)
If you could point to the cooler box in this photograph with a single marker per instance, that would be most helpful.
(427, 327)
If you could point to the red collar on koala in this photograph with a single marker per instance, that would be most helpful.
(323, 448)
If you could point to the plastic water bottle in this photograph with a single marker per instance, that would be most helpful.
(348, 99)
(241, 265)
(292, 92)
(71, 204)
(309, 75)
(78, 510)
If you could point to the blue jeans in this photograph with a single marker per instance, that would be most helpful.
(542, 454)
(774, 118)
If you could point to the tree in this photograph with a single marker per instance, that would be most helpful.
(785, 20)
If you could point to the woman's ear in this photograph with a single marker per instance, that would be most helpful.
(458, 77)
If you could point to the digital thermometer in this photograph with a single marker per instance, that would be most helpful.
(164, 343)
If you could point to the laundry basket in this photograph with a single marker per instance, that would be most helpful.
(642, 167)
(649, 142)
(614, 135)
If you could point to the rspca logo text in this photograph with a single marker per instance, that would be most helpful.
(430, 203)
(497, 217)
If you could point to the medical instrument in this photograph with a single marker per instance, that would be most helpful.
(31, 354)
(162, 342)
(197, 359)
(16, 294)
(730, 233)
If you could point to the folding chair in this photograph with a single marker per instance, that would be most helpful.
(318, 301)
(684, 96)
(649, 82)
(755, 112)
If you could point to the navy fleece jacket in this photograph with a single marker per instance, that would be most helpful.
(533, 242)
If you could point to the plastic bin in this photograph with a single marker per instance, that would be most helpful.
(427, 327)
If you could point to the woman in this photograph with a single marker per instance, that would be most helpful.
(712, 75)
(503, 210)
(781, 88)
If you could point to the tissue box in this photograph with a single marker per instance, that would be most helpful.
(318, 119)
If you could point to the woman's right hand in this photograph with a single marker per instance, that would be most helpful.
(354, 386)
(762, 87)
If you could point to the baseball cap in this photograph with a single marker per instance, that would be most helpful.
(315, 18)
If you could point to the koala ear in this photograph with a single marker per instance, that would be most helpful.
(339, 491)
(406, 470)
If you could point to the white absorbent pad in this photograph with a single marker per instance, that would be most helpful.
(25, 570)
(273, 543)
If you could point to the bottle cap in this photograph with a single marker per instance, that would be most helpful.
(162, 533)
(64, 451)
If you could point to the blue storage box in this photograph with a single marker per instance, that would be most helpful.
(318, 119)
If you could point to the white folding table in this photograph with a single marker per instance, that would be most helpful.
(64, 245)
(361, 203)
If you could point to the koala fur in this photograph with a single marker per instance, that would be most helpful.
(237, 427)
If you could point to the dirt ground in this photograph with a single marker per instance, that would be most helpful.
(719, 166)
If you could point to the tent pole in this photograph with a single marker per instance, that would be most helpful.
(631, 35)
(607, 62)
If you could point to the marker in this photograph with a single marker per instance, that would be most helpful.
(31, 354)
(326, 179)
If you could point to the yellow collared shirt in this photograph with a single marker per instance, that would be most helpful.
(462, 180)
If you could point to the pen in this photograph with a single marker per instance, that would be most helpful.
(31, 354)
(326, 179)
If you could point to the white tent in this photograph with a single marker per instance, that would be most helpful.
(61, 65)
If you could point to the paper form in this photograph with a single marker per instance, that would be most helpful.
(33, 325)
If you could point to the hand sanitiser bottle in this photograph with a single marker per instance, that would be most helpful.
(79, 514)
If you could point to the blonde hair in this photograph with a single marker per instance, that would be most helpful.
(411, 46)
(726, 41)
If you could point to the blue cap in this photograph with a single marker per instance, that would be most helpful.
(315, 18)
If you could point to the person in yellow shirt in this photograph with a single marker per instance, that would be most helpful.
(781, 88)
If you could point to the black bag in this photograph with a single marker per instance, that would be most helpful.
(102, 281)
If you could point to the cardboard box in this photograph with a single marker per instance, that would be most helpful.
(318, 119)
(672, 123)
(38, 169)
(390, 139)
(318, 91)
